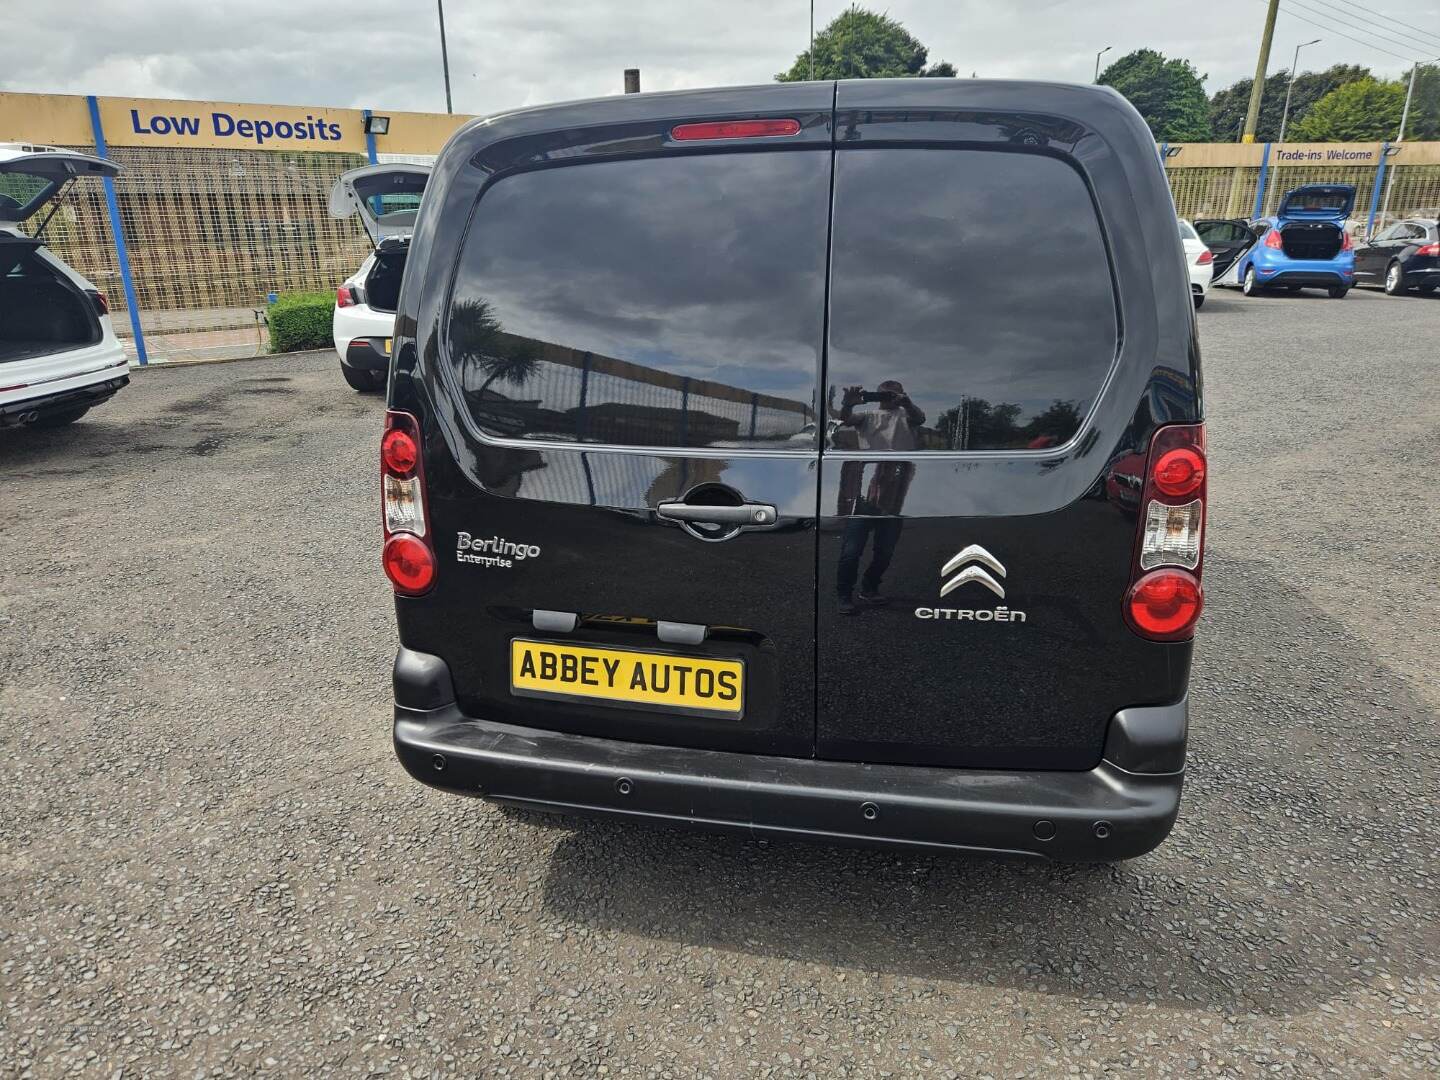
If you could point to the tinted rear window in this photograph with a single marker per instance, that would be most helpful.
(663, 302)
(977, 280)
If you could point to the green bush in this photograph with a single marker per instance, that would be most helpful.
(301, 320)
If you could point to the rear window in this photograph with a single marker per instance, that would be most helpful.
(978, 282)
(661, 302)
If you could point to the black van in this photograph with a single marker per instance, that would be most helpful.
(811, 459)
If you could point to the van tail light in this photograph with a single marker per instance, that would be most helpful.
(1272, 239)
(734, 129)
(1164, 599)
(1428, 249)
(408, 555)
(345, 296)
(98, 302)
(1347, 242)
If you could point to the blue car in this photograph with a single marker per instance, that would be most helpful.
(1304, 245)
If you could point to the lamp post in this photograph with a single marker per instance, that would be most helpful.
(1099, 54)
(1405, 113)
(1284, 116)
(1400, 135)
(444, 55)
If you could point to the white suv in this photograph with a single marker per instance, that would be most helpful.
(386, 198)
(59, 356)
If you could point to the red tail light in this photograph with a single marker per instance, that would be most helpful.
(735, 129)
(408, 556)
(344, 297)
(98, 301)
(1206, 258)
(1165, 604)
(1272, 239)
(1428, 249)
(1164, 600)
(1347, 242)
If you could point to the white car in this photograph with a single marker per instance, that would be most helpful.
(59, 356)
(386, 198)
(1199, 260)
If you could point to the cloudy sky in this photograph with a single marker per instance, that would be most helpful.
(503, 54)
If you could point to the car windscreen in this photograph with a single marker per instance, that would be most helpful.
(980, 283)
(660, 302)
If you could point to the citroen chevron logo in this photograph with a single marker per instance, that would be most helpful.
(975, 559)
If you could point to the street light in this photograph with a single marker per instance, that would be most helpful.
(1284, 116)
(1405, 113)
(1099, 54)
(1400, 135)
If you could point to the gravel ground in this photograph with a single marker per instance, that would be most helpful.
(210, 863)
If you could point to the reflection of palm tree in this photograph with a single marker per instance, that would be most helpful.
(475, 342)
(515, 365)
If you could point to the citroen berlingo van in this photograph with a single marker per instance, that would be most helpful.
(816, 459)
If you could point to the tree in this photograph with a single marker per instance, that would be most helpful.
(860, 44)
(1424, 119)
(1169, 94)
(1227, 107)
(1356, 112)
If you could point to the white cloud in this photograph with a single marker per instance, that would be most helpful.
(387, 55)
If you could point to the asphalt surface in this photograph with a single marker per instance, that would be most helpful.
(211, 864)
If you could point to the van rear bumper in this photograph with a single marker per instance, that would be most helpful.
(1109, 812)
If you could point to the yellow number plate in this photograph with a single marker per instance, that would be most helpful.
(649, 680)
(387, 346)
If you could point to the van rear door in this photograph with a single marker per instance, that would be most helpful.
(624, 505)
(972, 561)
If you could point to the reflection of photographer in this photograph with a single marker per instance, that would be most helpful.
(894, 425)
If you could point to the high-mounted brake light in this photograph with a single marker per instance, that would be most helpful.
(344, 297)
(1164, 600)
(1272, 239)
(408, 557)
(1206, 258)
(734, 129)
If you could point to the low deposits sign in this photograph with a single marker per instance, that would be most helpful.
(221, 125)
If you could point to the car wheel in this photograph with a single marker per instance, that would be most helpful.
(1395, 279)
(1337, 292)
(60, 419)
(1251, 285)
(364, 381)
(1199, 300)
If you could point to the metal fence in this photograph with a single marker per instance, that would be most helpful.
(211, 234)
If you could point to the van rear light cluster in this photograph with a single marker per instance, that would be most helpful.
(1164, 600)
(408, 556)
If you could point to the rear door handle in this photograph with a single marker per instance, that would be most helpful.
(744, 514)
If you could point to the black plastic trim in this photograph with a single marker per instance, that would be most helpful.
(1103, 814)
(1149, 739)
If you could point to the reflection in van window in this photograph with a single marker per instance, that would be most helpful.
(665, 302)
(1001, 337)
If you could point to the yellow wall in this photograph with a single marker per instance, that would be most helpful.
(65, 120)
